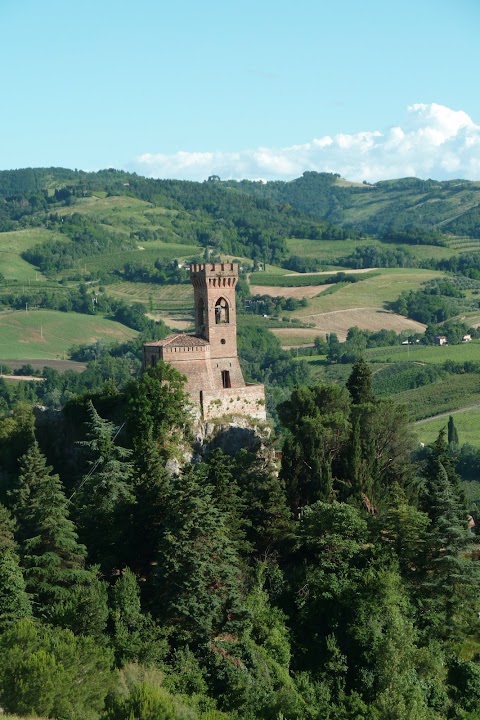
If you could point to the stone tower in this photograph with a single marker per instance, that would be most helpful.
(209, 359)
(215, 309)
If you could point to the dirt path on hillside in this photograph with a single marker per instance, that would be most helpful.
(35, 378)
(333, 272)
(447, 414)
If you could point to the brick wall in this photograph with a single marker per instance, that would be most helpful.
(249, 401)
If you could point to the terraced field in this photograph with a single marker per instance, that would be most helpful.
(49, 334)
(163, 299)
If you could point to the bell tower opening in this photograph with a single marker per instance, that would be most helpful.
(222, 311)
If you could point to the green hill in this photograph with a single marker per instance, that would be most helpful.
(48, 334)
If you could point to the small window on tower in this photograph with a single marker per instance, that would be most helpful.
(222, 313)
(226, 379)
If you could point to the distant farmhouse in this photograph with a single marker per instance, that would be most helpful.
(209, 358)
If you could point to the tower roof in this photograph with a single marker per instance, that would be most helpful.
(179, 340)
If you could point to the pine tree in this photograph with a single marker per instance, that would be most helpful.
(317, 419)
(198, 577)
(450, 576)
(104, 497)
(158, 408)
(14, 601)
(52, 559)
(267, 518)
(151, 486)
(221, 473)
(134, 634)
(7, 526)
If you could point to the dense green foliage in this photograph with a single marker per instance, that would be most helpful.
(343, 587)
(437, 302)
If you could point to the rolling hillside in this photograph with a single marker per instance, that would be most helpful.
(49, 335)
(117, 236)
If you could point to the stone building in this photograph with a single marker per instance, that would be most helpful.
(209, 359)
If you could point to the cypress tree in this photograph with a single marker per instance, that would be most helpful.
(452, 432)
(359, 384)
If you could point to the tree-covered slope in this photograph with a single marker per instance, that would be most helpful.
(386, 207)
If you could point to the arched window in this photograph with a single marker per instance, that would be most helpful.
(222, 313)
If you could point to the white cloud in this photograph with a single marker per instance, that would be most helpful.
(433, 142)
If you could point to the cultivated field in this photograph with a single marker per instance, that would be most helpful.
(426, 354)
(300, 280)
(167, 302)
(460, 391)
(385, 286)
(366, 318)
(60, 365)
(146, 253)
(328, 251)
(295, 292)
(47, 334)
(292, 337)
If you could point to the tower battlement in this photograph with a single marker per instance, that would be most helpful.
(214, 275)
(207, 269)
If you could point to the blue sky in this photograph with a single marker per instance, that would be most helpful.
(264, 88)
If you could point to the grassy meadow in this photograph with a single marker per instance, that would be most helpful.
(48, 334)
(467, 422)
(385, 286)
(426, 354)
(12, 244)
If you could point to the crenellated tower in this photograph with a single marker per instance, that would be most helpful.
(209, 358)
(215, 308)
